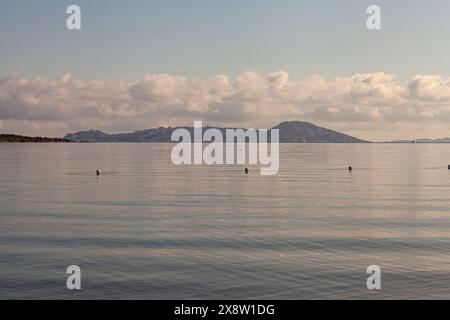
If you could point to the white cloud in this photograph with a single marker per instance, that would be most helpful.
(375, 105)
(433, 88)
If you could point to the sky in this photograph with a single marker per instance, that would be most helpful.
(140, 64)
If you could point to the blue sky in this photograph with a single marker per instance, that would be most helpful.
(201, 38)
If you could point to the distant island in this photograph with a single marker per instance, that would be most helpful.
(441, 140)
(290, 132)
(17, 138)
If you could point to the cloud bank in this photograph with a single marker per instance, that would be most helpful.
(372, 106)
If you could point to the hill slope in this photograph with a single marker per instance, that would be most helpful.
(18, 138)
(305, 132)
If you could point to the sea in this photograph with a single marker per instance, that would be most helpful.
(149, 229)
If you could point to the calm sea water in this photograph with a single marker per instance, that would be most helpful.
(150, 229)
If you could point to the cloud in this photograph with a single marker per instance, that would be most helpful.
(375, 105)
(431, 88)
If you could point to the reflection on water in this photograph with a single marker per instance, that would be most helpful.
(149, 229)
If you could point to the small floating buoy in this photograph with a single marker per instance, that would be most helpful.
(98, 172)
(350, 168)
(246, 170)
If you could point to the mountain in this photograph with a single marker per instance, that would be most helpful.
(148, 135)
(290, 132)
(441, 140)
(17, 138)
(305, 132)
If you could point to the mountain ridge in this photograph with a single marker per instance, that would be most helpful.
(290, 132)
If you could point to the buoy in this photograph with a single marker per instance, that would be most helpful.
(98, 172)
(246, 170)
(350, 168)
